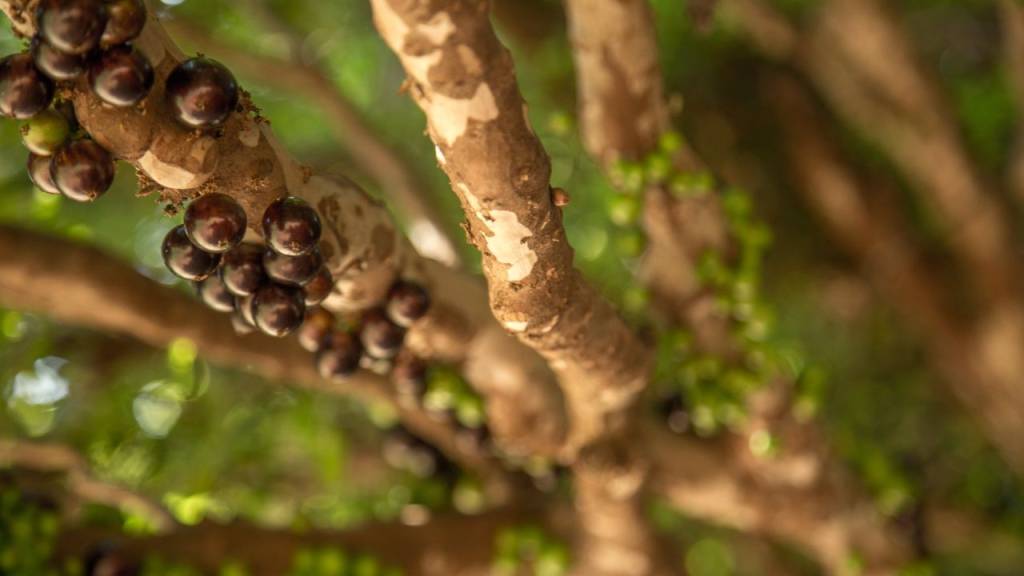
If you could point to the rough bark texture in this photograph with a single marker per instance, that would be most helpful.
(373, 155)
(361, 245)
(858, 57)
(463, 79)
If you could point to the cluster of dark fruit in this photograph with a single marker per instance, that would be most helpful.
(75, 38)
(91, 39)
(265, 287)
(373, 341)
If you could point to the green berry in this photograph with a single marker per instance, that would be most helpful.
(45, 133)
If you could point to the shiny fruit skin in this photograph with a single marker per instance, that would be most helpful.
(121, 76)
(72, 26)
(45, 133)
(185, 259)
(240, 324)
(82, 170)
(381, 337)
(24, 90)
(125, 20)
(293, 270)
(278, 310)
(39, 173)
(339, 358)
(201, 93)
(215, 222)
(319, 288)
(407, 303)
(315, 329)
(57, 65)
(243, 269)
(243, 306)
(291, 226)
(215, 295)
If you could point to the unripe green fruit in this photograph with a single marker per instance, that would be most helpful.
(45, 133)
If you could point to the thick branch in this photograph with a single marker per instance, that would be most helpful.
(81, 483)
(463, 79)
(81, 285)
(362, 247)
(393, 174)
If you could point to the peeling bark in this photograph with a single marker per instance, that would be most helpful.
(463, 79)
(361, 246)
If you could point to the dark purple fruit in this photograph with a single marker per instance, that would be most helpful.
(185, 259)
(315, 330)
(215, 222)
(24, 90)
(201, 93)
(82, 170)
(71, 26)
(339, 358)
(407, 303)
(291, 226)
(125, 20)
(243, 269)
(381, 337)
(56, 64)
(319, 288)
(45, 133)
(121, 76)
(278, 310)
(39, 173)
(293, 270)
(213, 292)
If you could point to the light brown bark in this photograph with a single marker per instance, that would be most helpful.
(361, 246)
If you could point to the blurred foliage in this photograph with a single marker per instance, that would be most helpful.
(216, 443)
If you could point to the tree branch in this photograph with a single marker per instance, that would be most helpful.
(361, 245)
(393, 174)
(446, 545)
(41, 457)
(857, 55)
(462, 78)
(623, 114)
(81, 285)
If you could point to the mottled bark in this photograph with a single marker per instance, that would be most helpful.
(362, 247)
(463, 79)
(400, 184)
